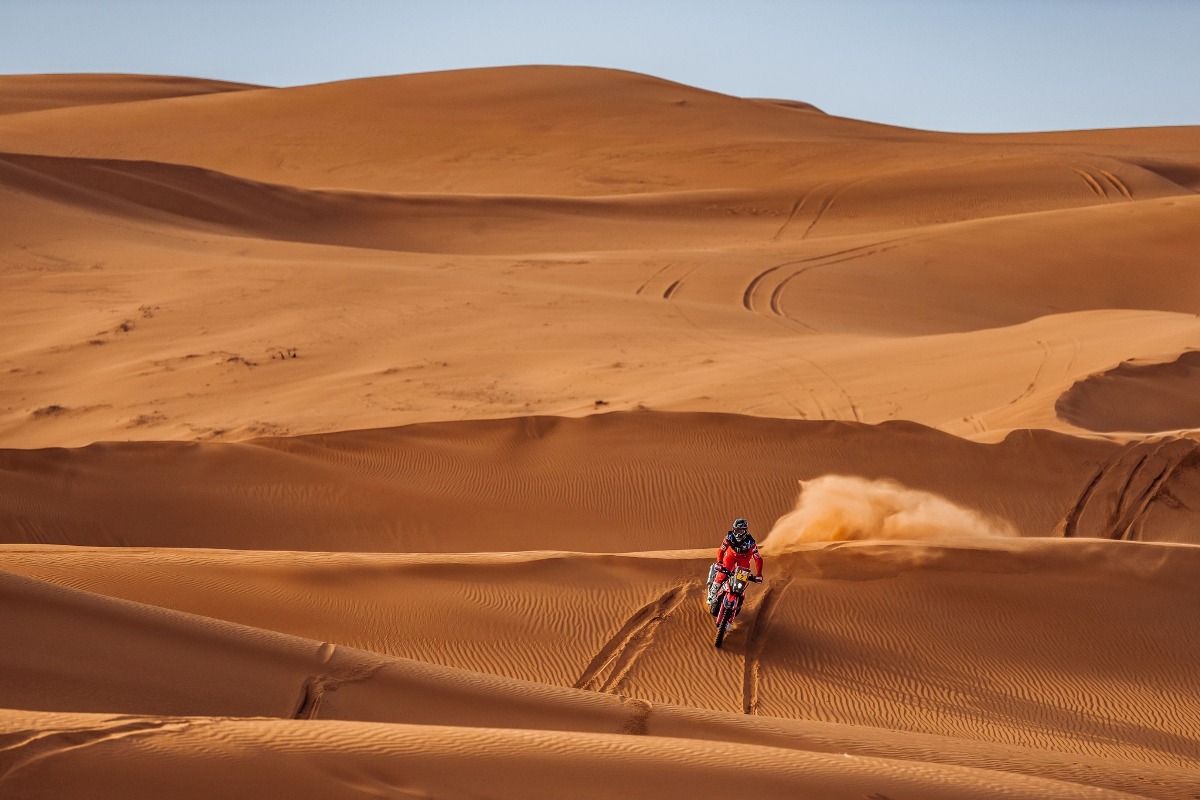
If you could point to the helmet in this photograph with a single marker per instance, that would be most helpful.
(740, 524)
(740, 541)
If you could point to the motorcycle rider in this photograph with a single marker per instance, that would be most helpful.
(737, 550)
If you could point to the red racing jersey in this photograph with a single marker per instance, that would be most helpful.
(729, 558)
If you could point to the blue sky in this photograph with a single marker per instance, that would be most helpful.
(960, 65)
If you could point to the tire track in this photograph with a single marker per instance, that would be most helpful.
(1116, 182)
(1099, 181)
(748, 294)
(617, 656)
(1061, 354)
(860, 247)
(47, 744)
(639, 716)
(854, 411)
(1091, 181)
(797, 207)
(776, 302)
(670, 291)
(1076, 348)
(1047, 352)
(1118, 509)
(648, 281)
(1131, 481)
(1122, 525)
(826, 204)
(825, 259)
(831, 193)
(756, 644)
(823, 412)
(977, 425)
(672, 287)
(777, 294)
(787, 401)
(313, 690)
(1070, 521)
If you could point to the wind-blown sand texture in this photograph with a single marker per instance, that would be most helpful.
(373, 438)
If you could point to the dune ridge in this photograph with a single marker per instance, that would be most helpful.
(343, 758)
(1157, 397)
(587, 484)
(30, 93)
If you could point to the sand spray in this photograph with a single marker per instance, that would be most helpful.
(835, 508)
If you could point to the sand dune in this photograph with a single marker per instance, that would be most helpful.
(479, 130)
(374, 437)
(1145, 398)
(607, 482)
(1139, 728)
(195, 757)
(24, 93)
(466, 131)
(142, 260)
(416, 223)
(1039, 247)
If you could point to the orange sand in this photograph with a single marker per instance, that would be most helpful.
(372, 438)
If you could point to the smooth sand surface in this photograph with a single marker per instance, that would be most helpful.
(373, 438)
(21, 93)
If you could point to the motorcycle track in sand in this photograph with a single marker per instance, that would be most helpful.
(613, 661)
(1120, 494)
(756, 643)
(315, 686)
(30, 750)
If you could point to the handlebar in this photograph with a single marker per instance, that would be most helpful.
(726, 571)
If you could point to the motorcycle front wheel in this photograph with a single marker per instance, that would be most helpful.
(722, 626)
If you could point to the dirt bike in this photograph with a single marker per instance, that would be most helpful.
(725, 599)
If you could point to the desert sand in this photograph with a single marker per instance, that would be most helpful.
(373, 439)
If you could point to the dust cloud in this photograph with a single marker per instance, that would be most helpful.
(835, 508)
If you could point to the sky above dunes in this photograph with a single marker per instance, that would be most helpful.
(956, 65)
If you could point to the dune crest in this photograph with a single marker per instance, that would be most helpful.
(1144, 398)
(839, 508)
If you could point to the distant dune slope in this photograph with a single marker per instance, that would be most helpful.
(153, 193)
(518, 221)
(1007, 269)
(571, 130)
(554, 240)
(614, 482)
(22, 93)
(1137, 397)
(547, 129)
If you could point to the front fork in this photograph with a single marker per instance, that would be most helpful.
(712, 586)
